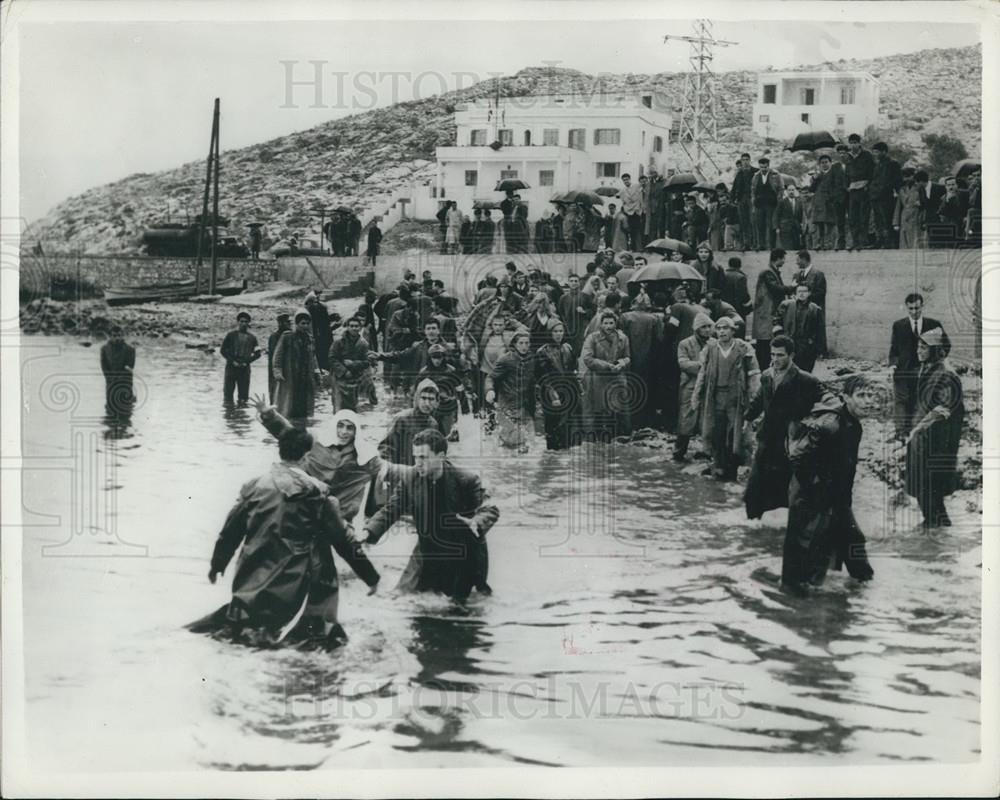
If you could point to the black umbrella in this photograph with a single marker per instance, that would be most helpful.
(967, 166)
(681, 182)
(511, 185)
(587, 198)
(812, 140)
(666, 271)
(607, 191)
(704, 186)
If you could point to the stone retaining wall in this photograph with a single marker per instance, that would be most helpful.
(102, 271)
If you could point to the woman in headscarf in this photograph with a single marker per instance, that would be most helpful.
(512, 387)
(932, 445)
(714, 275)
(560, 390)
(538, 318)
(295, 369)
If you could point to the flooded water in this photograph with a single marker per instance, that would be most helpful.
(635, 620)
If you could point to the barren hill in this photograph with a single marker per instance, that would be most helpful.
(360, 160)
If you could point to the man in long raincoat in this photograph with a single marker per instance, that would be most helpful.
(689, 361)
(606, 390)
(295, 370)
(286, 522)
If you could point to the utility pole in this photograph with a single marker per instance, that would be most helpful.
(215, 205)
(699, 120)
(212, 147)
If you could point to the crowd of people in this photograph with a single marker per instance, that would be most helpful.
(852, 199)
(567, 362)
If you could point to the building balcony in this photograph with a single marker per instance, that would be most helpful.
(527, 152)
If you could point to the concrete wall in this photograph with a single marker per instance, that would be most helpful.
(102, 271)
(865, 290)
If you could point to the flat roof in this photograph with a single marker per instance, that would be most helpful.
(817, 74)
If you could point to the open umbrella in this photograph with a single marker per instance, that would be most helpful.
(666, 271)
(255, 224)
(511, 185)
(558, 197)
(812, 140)
(484, 204)
(607, 191)
(581, 196)
(663, 245)
(681, 182)
(967, 166)
(704, 186)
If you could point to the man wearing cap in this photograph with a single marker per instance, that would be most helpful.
(449, 382)
(860, 167)
(689, 361)
(117, 364)
(295, 369)
(728, 378)
(350, 367)
(284, 324)
(240, 349)
(765, 191)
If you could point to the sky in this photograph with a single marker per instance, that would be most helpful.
(101, 101)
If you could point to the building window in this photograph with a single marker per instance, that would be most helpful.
(506, 136)
(608, 169)
(550, 136)
(647, 100)
(527, 138)
(657, 144)
(840, 120)
(805, 118)
(546, 177)
(471, 177)
(847, 95)
(770, 93)
(644, 138)
(607, 136)
(577, 138)
(478, 137)
(675, 130)
(764, 118)
(808, 97)
(506, 174)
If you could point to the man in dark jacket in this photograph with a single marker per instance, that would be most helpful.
(952, 213)
(741, 197)
(860, 168)
(788, 218)
(801, 321)
(931, 195)
(823, 452)
(734, 288)
(765, 191)
(117, 364)
(284, 324)
(350, 368)
(769, 293)
(287, 523)
(575, 310)
(786, 394)
(887, 178)
(449, 509)
(903, 361)
(816, 281)
(239, 348)
(322, 335)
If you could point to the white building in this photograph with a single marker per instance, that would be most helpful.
(554, 143)
(789, 103)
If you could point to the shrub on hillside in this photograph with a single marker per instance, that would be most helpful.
(943, 151)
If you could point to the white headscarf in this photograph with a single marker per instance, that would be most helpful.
(366, 450)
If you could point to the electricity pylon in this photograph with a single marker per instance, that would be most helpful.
(699, 118)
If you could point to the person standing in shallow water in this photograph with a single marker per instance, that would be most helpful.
(118, 365)
(240, 350)
(287, 523)
(823, 454)
(449, 509)
(932, 444)
(284, 324)
(296, 371)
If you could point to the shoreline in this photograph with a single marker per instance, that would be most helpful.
(201, 325)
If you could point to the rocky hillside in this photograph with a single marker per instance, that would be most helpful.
(359, 161)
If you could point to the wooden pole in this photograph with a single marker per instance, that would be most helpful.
(322, 236)
(204, 204)
(215, 204)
